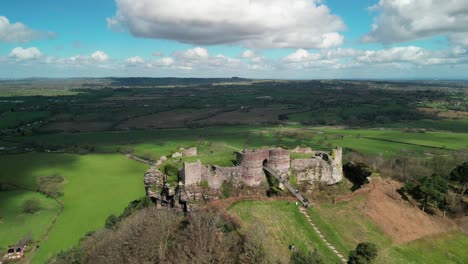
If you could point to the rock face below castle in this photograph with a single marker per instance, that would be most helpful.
(320, 167)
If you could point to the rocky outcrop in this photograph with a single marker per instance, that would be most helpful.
(153, 181)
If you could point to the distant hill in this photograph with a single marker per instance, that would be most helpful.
(135, 81)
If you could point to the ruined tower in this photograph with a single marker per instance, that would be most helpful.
(279, 160)
(252, 162)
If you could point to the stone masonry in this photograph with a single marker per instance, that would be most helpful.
(320, 167)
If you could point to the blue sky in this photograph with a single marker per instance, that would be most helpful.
(222, 38)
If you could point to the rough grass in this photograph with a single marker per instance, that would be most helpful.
(283, 225)
(344, 225)
(15, 225)
(95, 187)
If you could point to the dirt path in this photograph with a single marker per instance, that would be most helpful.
(332, 248)
(234, 148)
(140, 159)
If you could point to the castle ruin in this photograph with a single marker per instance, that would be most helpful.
(313, 167)
(318, 167)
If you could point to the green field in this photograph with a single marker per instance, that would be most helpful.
(95, 187)
(154, 143)
(16, 225)
(344, 226)
(14, 119)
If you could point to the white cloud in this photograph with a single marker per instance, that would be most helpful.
(18, 32)
(192, 54)
(20, 53)
(252, 23)
(163, 62)
(100, 56)
(248, 54)
(135, 60)
(396, 54)
(405, 20)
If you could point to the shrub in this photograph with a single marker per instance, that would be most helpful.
(300, 257)
(111, 221)
(50, 185)
(203, 184)
(226, 189)
(364, 253)
(31, 206)
(172, 172)
(357, 173)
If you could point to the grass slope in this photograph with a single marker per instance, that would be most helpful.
(344, 225)
(283, 224)
(96, 186)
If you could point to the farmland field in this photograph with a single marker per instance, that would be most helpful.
(95, 187)
(82, 129)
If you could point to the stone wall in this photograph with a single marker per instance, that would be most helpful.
(323, 167)
(303, 150)
(191, 152)
(191, 173)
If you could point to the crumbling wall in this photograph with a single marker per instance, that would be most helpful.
(303, 150)
(191, 173)
(191, 152)
(311, 170)
(325, 168)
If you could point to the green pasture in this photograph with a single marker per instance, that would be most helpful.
(95, 187)
(15, 224)
(154, 143)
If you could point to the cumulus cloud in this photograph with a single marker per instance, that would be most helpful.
(403, 20)
(163, 62)
(393, 57)
(100, 56)
(18, 32)
(21, 54)
(135, 60)
(192, 54)
(200, 58)
(252, 23)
